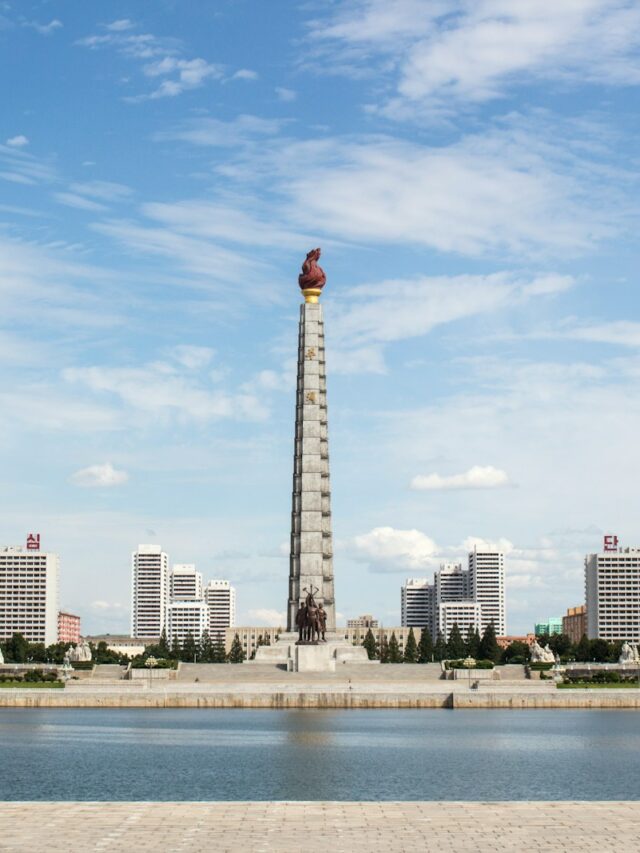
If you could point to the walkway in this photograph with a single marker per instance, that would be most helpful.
(336, 827)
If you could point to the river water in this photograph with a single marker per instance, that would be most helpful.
(194, 754)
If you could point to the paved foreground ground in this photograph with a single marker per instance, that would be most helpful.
(331, 826)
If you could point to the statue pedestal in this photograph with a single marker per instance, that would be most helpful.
(314, 659)
(323, 657)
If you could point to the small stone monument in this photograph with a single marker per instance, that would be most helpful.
(80, 653)
(629, 654)
(540, 655)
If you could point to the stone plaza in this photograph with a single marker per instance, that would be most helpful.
(343, 827)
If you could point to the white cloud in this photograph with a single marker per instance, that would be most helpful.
(215, 132)
(214, 267)
(193, 357)
(443, 53)
(78, 201)
(173, 393)
(396, 550)
(103, 190)
(44, 29)
(501, 544)
(405, 308)
(286, 95)
(188, 74)
(269, 617)
(477, 477)
(622, 333)
(17, 141)
(99, 476)
(503, 191)
(161, 57)
(245, 74)
(22, 167)
(119, 26)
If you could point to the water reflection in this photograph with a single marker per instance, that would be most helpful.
(240, 754)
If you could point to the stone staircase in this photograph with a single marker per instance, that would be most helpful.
(108, 672)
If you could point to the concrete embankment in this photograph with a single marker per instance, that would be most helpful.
(245, 699)
(330, 698)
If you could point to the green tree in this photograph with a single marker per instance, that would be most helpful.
(370, 645)
(489, 648)
(472, 642)
(163, 645)
(583, 649)
(560, 644)
(425, 647)
(440, 648)
(38, 654)
(516, 650)
(455, 645)
(394, 649)
(16, 649)
(189, 649)
(383, 649)
(206, 648)
(599, 651)
(411, 648)
(219, 654)
(236, 654)
(103, 654)
(176, 651)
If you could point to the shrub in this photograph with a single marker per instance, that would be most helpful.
(479, 664)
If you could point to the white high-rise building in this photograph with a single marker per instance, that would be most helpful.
(451, 583)
(186, 617)
(612, 586)
(220, 598)
(482, 584)
(29, 594)
(185, 583)
(464, 614)
(486, 576)
(149, 591)
(417, 600)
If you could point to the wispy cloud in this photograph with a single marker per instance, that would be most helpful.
(44, 29)
(174, 392)
(19, 166)
(120, 26)
(400, 309)
(245, 74)
(17, 141)
(477, 477)
(162, 59)
(286, 95)
(218, 133)
(443, 54)
(99, 476)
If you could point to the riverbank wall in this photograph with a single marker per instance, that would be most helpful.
(320, 699)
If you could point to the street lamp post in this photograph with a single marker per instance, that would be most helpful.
(150, 663)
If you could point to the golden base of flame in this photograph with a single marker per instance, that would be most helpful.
(311, 294)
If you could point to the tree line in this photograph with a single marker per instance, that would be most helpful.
(19, 650)
(204, 650)
(484, 647)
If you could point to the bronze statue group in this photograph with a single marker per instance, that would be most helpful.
(311, 620)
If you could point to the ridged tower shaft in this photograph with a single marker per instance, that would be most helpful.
(311, 560)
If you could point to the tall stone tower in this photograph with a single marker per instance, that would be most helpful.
(311, 560)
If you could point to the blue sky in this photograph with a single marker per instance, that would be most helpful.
(470, 170)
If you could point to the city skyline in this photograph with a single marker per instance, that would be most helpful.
(162, 183)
